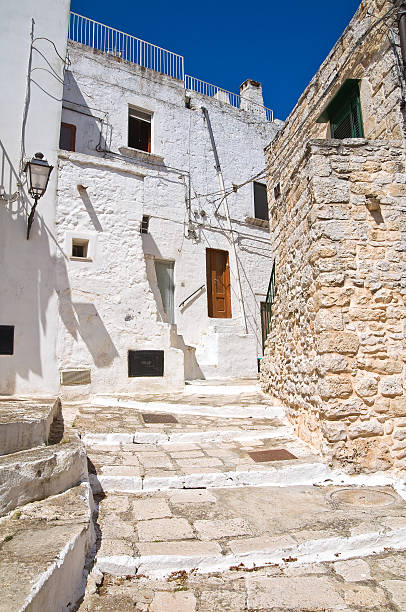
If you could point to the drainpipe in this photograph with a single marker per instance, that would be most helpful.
(402, 34)
(230, 228)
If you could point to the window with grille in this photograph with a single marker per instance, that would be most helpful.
(139, 130)
(344, 112)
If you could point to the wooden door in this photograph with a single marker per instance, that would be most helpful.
(218, 284)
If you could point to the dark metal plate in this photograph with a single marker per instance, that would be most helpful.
(277, 454)
(154, 417)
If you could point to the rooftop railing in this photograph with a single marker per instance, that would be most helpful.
(223, 95)
(109, 40)
(127, 47)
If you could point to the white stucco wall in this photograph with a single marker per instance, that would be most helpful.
(30, 110)
(119, 285)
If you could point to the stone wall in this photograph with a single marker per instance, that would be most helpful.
(335, 354)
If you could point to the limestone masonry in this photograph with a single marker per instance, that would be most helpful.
(335, 354)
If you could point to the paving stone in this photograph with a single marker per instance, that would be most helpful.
(365, 597)
(164, 529)
(203, 462)
(260, 544)
(186, 454)
(144, 509)
(191, 496)
(221, 601)
(354, 570)
(397, 589)
(112, 525)
(182, 601)
(180, 548)
(304, 593)
(110, 547)
(115, 503)
(212, 530)
(155, 460)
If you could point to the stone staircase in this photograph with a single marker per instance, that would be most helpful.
(213, 481)
(46, 529)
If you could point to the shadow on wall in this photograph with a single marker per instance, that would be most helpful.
(89, 208)
(27, 281)
(191, 367)
(95, 133)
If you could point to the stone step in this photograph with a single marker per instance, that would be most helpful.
(43, 548)
(35, 474)
(220, 407)
(136, 467)
(25, 423)
(216, 530)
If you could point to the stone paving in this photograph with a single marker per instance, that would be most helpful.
(181, 526)
(374, 583)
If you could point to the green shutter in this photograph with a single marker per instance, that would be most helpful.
(344, 112)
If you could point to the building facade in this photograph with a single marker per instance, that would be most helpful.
(33, 47)
(161, 221)
(337, 188)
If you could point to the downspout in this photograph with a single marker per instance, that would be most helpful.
(223, 189)
(402, 35)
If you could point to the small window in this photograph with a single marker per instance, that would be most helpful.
(139, 130)
(6, 339)
(277, 191)
(67, 138)
(79, 247)
(144, 224)
(344, 112)
(260, 202)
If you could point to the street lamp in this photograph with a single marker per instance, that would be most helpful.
(38, 171)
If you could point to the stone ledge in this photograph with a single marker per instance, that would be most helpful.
(25, 423)
(43, 552)
(257, 222)
(35, 474)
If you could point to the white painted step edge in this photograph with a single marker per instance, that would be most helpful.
(292, 475)
(63, 581)
(313, 551)
(214, 435)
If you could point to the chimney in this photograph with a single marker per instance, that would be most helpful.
(251, 97)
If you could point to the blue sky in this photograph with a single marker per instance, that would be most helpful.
(278, 43)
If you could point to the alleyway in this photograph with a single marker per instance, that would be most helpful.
(207, 501)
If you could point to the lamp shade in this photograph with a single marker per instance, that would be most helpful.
(38, 171)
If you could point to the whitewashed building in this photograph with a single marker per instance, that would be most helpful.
(161, 218)
(33, 38)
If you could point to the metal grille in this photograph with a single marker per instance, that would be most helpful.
(266, 308)
(75, 377)
(277, 454)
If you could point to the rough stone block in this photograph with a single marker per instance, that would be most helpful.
(391, 386)
(329, 319)
(182, 601)
(144, 509)
(334, 386)
(365, 429)
(337, 342)
(366, 387)
(334, 432)
(354, 570)
(285, 593)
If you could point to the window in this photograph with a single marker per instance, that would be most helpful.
(67, 138)
(79, 247)
(6, 339)
(144, 224)
(139, 130)
(344, 112)
(260, 202)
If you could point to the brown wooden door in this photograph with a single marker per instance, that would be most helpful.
(218, 284)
